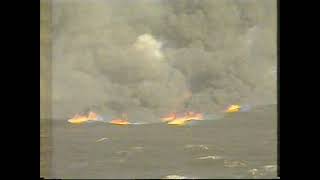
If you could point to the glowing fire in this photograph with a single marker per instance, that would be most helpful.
(194, 116)
(233, 108)
(179, 122)
(174, 119)
(122, 121)
(77, 119)
(170, 117)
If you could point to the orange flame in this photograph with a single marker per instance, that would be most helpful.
(182, 120)
(170, 117)
(194, 116)
(122, 121)
(77, 119)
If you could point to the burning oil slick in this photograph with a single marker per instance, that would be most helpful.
(180, 119)
(150, 58)
(81, 118)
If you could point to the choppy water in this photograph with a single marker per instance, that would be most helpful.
(241, 145)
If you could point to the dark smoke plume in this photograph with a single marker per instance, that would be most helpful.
(151, 57)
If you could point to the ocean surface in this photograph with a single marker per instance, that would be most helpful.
(237, 145)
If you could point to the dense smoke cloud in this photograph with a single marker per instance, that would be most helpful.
(152, 57)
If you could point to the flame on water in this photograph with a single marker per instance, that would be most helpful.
(170, 117)
(121, 121)
(194, 116)
(233, 108)
(77, 119)
(179, 122)
(175, 119)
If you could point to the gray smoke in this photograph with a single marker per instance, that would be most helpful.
(151, 57)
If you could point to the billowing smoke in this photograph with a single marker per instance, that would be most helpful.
(151, 57)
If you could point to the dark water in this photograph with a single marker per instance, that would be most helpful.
(241, 145)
